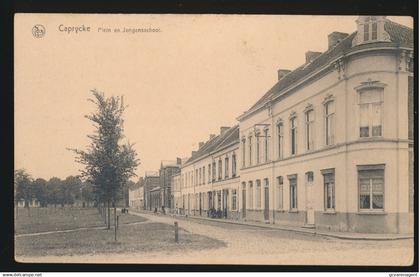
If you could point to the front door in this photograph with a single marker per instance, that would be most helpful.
(310, 213)
(243, 203)
(225, 202)
(266, 204)
(199, 195)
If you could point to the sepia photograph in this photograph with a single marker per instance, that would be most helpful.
(214, 139)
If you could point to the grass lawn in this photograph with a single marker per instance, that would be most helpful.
(54, 219)
(143, 237)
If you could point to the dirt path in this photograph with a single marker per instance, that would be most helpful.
(253, 245)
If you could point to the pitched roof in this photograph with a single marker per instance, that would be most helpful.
(217, 143)
(169, 164)
(399, 34)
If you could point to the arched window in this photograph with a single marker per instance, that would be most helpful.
(329, 116)
(280, 139)
(309, 129)
(293, 135)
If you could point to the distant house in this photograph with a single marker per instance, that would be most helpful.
(34, 203)
(167, 170)
(151, 181)
(155, 198)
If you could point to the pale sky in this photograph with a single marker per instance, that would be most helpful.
(181, 84)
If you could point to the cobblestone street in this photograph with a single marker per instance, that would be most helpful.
(255, 245)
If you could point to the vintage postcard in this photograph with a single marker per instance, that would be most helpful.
(214, 139)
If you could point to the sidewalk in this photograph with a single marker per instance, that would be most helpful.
(339, 235)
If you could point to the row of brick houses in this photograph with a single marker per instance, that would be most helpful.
(329, 146)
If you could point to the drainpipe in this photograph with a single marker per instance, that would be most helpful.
(273, 178)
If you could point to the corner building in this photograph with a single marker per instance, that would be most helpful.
(330, 145)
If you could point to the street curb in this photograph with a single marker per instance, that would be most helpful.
(302, 231)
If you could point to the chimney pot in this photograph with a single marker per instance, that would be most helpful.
(212, 136)
(223, 130)
(178, 161)
(282, 72)
(193, 153)
(334, 38)
(311, 55)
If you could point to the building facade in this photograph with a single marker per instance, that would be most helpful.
(176, 200)
(209, 179)
(167, 169)
(329, 146)
(151, 181)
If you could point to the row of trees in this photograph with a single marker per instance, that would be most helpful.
(52, 192)
(59, 192)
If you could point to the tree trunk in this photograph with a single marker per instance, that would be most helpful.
(109, 216)
(17, 208)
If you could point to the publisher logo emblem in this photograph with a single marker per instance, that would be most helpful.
(38, 31)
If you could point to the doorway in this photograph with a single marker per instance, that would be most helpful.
(310, 212)
(266, 204)
(243, 202)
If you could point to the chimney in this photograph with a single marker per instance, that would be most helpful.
(200, 144)
(178, 161)
(282, 72)
(334, 38)
(193, 153)
(311, 55)
(212, 136)
(223, 130)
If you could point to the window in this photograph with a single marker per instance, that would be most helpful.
(233, 165)
(293, 135)
(233, 207)
(251, 196)
(243, 152)
(293, 192)
(280, 140)
(209, 173)
(329, 122)
(309, 177)
(329, 188)
(370, 29)
(265, 145)
(410, 108)
(280, 192)
(199, 174)
(220, 169)
(257, 146)
(196, 176)
(371, 187)
(214, 172)
(370, 106)
(258, 194)
(204, 175)
(250, 150)
(365, 32)
(309, 122)
(374, 31)
(226, 167)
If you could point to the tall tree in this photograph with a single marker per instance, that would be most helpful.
(87, 193)
(23, 188)
(108, 164)
(53, 191)
(40, 191)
